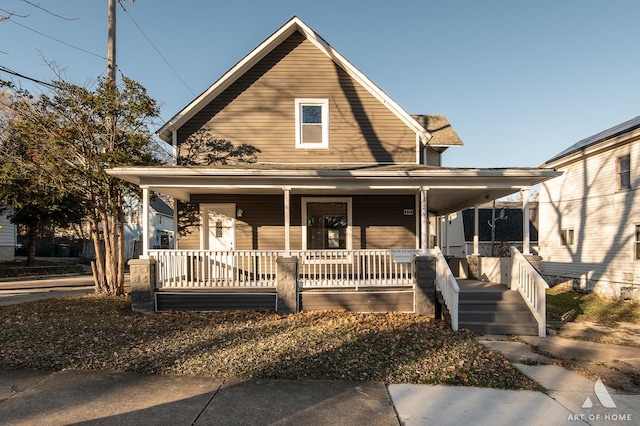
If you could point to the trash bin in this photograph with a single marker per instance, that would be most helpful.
(52, 250)
(63, 250)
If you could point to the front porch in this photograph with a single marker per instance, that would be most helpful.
(356, 280)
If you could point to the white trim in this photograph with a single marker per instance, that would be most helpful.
(324, 103)
(348, 200)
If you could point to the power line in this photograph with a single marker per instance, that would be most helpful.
(37, 6)
(35, 80)
(58, 40)
(157, 50)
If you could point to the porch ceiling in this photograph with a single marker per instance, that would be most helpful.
(449, 189)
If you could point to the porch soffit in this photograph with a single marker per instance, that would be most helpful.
(449, 190)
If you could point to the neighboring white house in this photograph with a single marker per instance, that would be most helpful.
(7, 238)
(161, 229)
(590, 215)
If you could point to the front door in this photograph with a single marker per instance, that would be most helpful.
(219, 237)
(219, 223)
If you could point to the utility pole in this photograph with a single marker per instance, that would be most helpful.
(111, 46)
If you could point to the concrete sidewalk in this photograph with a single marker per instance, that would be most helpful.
(103, 398)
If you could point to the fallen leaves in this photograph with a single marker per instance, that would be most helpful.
(89, 332)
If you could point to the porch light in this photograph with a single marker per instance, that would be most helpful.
(239, 213)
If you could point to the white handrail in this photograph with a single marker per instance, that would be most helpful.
(531, 286)
(447, 285)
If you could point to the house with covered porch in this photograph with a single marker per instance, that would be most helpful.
(346, 192)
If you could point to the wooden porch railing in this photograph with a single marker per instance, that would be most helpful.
(355, 268)
(447, 285)
(201, 269)
(531, 286)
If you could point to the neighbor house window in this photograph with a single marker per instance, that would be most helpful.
(637, 242)
(312, 123)
(327, 223)
(624, 172)
(566, 237)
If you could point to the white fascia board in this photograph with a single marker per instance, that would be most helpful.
(265, 48)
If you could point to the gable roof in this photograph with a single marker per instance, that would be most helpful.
(585, 143)
(293, 25)
(160, 206)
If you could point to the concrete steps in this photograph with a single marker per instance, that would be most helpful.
(489, 308)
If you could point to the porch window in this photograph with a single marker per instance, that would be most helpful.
(327, 223)
(312, 123)
(566, 237)
(623, 166)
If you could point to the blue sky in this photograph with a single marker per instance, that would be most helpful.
(520, 81)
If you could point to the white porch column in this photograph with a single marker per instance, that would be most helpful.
(424, 220)
(287, 220)
(446, 234)
(145, 222)
(476, 226)
(526, 243)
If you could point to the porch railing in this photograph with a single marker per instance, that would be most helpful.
(531, 286)
(447, 285)
(355, 268)
(201, 269)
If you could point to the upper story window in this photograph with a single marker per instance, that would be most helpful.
(566, 237)
(623, 166)
(312, 123)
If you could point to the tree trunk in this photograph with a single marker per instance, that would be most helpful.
(98, 271)
(121, 259)
(32, 235)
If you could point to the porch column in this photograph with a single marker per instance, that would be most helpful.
(287, 220)
(145, 222)
(476, 244)
(526, 243)
(424, 221)
(446, 233)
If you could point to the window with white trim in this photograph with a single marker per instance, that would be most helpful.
(312, 123)
(623, 170)
(566, 237)
(326, 223)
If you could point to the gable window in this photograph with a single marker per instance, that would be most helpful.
(623, 166)
(637, 243)
(312, 123)
(327, 223)
(566, 237)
